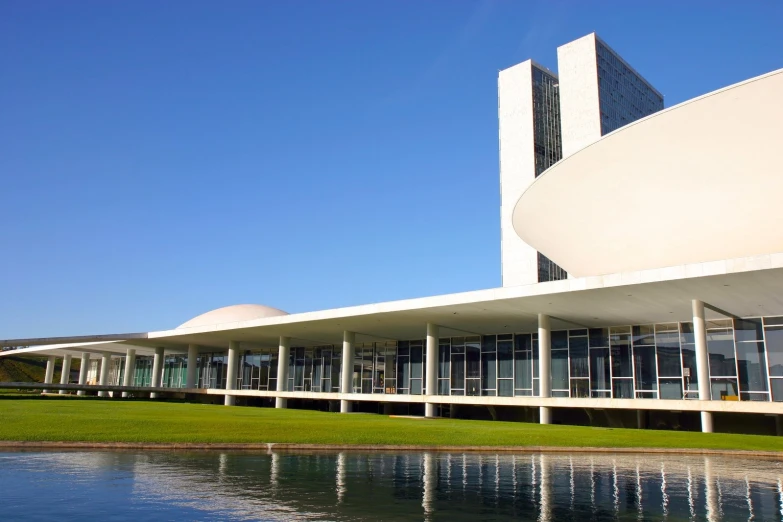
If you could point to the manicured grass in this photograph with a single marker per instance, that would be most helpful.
(33, 419)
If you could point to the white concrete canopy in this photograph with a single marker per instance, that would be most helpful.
(746, 287)
(698, 182)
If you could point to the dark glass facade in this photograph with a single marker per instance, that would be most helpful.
(548, 146)
(624, 96)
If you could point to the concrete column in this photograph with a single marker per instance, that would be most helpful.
(641, 419)
(66, 374)
(231, 374)
(544, 366)
(191, 377)
(83, 369)
(347, 371)
(104, 379)
(433, 342)
(130, 369)
(157, 370)
(779, 425)
(49, 375)
(283, 354)
(702, 362)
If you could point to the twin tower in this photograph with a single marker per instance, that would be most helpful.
(545, 117)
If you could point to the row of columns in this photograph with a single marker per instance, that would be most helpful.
(346, 385)
(702, 363)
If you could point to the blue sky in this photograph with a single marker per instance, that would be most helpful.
(161, 159)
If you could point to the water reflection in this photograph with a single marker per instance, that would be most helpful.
(414, 486)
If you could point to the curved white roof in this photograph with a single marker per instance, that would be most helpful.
(702, 181)
(232, 314)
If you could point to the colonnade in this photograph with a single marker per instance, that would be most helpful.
(348, 352)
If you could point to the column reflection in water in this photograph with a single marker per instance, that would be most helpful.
(429, 484)
(222, 464)
(615, 488)
(639, 507)
(545, 506)
(691, 507)
(664, 497)
(710, 492)
(341, 469)
(780, 496)
(274, 471)
(453, 487)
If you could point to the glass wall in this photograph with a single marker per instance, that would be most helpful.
(175, 369)
(652, 361)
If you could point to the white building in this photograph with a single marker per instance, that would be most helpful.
(544, 118)
(672, 314)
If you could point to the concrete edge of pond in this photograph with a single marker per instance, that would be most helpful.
(293, 447)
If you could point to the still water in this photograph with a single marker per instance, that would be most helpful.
(137, 486)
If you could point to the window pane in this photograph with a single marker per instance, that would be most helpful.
(748, 329)
(578, 351)
(622, 388)
(599, 369)
(777, 389)
(473, 359)
(599, 337)
(752, 366)
(505, 360)
(488, 343)
(444, 355)
(621, 356)
(559, 339)
(522, 342)
(416, 362)
(505, 387)
(671, 388)
(775, 350)
(524, 373)
(669, 357)
(559, 369)
(689, 367)
(488, 371)
(721, 349)
(724, 389)
(580, 388)
(458, 371)
(644, 364)
(643, 335)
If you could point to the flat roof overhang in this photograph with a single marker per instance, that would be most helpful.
(698, 182)
(744, 287)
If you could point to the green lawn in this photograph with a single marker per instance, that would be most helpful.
(28, 419)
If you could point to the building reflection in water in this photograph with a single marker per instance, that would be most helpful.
(444, 486)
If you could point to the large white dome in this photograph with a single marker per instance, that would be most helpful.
(233, 314)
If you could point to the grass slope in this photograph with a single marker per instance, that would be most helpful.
(24, 369)
(14, 368)
(27, 419)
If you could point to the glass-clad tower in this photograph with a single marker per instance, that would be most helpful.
(530, 143)
(544, 117)
(599, 92)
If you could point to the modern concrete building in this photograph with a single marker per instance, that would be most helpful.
(671, 316)
(543, 118)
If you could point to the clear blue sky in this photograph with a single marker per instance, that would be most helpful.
(161, 159)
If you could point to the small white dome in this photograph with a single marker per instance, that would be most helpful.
(232, 314)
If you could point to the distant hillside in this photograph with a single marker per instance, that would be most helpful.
(30, 369)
